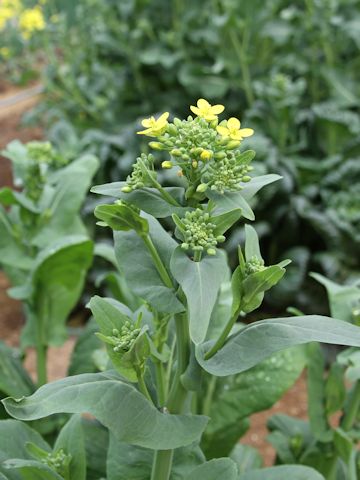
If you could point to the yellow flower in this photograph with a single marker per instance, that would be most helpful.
(207, 111)
(5, 15)
(32, 19)
(155, 127)
(232, 129)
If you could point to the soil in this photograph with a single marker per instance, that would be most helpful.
(294, 401)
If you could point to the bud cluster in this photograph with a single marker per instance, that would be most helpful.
(124, 339)
(199, 232)
(254, 265)
(143, 172)
(57, 461)
(226, 173)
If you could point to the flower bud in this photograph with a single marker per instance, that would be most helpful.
(202, 187)
(194, 164)
(175, 152)
(167, 164)
(211, 251)
(246, 179)
(126, 189)
(156, 145)
(233, 144)
(206, 155)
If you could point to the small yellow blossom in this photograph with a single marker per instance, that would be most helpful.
(232, 129)
(205, 155)
(31, 20)
(155, 127)
(207, 111)
(5, 15)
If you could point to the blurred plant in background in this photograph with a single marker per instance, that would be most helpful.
(277, 65)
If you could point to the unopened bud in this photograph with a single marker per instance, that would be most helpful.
(206, 155)
(126, 189)
(246, 179)
(176, 152)
(202, 187)
(194, 164)
(220, 155)
(167, 164)
(232, 144)
(211, 251)
(156, 145)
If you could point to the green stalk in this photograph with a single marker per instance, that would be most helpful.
(158, 262)
(163, 458)
(222, 339)
(41, 353)
(160, 382)
(209, 395)
(354, 406)
(166, 196)
(240, 51)
(142, 385)
(197, 255)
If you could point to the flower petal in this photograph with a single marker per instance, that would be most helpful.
(163, 118)
(145, 132)
(246, 132)
(216, 109)
(195, 110)
(223, 131)
(203, 104)
(233, 123)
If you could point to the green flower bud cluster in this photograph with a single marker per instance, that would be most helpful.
(124, 339)
(34, 181)
(226, 174)
(255, 264)
(143, 171)
(44, 153)
(199, 232)
(57, 461)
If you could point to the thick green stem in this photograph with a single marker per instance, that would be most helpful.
(353, 410)
(142, 385)
(197, 256)
(158, 262)
(160, 383)
(209, 395)
(163, 458)
(41, 351)
(222, 339)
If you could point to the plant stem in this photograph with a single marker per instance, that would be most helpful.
(221, 340)
(163, 458)
(142, 385)
(240, 51)
(158, 262)
(209, 395)
(160, 382)
(351, 414)
(162, 464)
(197, 256)
(41, 351)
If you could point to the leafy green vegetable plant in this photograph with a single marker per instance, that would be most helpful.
(45, 249)
(328, 441)
(181, 375)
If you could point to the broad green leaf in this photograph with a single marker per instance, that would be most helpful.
(342, 298)
(214, 470)
(316, 393)
(56, 283)
(229, 201)
(14, 380)
(257, 183)
(246, 458)
(148, 199)
(260, 339)
(70, 187)
(82, 360)
(14, 436)
(335, 390)
(117, 405)
(32, 469)
(252, 247)
(136, 264)
(122, 217)
(225, 221)
(12, 197)
(126, 462)
(71, 440)
(240, 396)
(283, 472)
(96, 438)
(201, 283)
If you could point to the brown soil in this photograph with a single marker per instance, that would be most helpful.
(11, 317)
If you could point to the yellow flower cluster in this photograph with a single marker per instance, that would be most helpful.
(8, 10)
(31, 20)
(203, 109)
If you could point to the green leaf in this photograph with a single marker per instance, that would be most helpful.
(32, 469)
(201, 283)
(214, 470)
(246, 458)
(14, 436)
(256, 284)
(283, 472)
(14, 380)
(260, 339)
(342, 299)
(252, 247)
(136, 264)
(117, 405)
(56, 283)
(122, 217)
(225, 221)
(96, 438)
(71, 440)
(228, 202)
(127, 462)
(335, 391)
(82, 360)
(252, 391)
(250, 189)
(147, 199)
